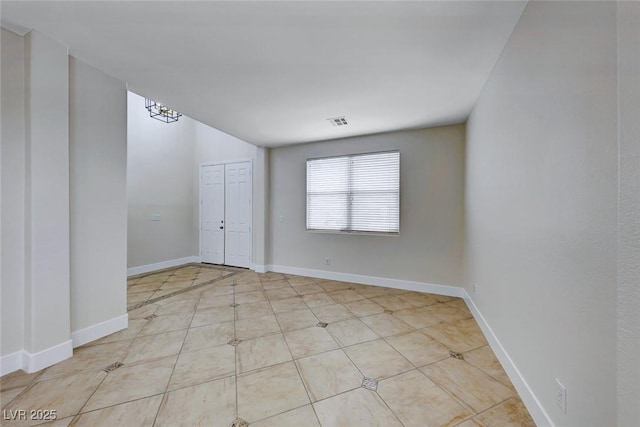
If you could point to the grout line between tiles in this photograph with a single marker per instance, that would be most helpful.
(458, 400)
(164, 396)
(198, 382)
(318, 354)
(376, 391)
(477, 414)
(235, 349)
(293, 360)
(473, 417)
(180, 291)
(389, 407)
(337, 394)
(91, 395)
(117, 404)
(5, 404)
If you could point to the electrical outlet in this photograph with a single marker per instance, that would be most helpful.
(561, 396)
(155, 217)
(327, 261)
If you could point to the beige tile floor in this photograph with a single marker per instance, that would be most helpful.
(210, 346)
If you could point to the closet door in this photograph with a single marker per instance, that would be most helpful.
(237, 250)
(212, 214)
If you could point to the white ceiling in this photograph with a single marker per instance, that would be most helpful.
(271, 73)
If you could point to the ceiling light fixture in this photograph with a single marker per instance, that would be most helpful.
(161, 112)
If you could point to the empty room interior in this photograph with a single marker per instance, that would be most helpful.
(320, 213)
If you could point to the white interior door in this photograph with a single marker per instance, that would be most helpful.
(237, 251)
(212, 214)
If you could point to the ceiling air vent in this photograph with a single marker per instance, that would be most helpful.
(338, 121)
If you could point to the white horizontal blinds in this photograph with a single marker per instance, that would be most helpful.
(375, 192)
(327, 193)
(354, 193)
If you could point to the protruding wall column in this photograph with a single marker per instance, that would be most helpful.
(47, 275)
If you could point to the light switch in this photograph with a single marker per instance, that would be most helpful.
(282, 218)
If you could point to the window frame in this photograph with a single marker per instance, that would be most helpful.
(349, 219)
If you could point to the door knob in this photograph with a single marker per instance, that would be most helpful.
(221, 227)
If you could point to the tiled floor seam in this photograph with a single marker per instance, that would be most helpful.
(389, 407)
(445, 344)
(4, 404)
(288, 410)
(164, 270)
(90, 396)
(26, 388)
(115, 404)
(164, 396)
(163, 332)
(235, 350)
(316, 354)
(293, 360)
(471, 417)
(140, 362)
(178, 291)
(461, 402)
(376, 392)
(497, 404)
(173, 369)
(476, 415)
(510, 385)
(337, 394)
(182, 387)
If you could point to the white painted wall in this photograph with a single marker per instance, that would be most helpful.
(541, 196)
(629, 214)
(98, 154)
(163, 177)
(47, 320)
(63, 202)
(213, 145)
(261, 209)
(12, 261)
(159, 181)
(429, 247)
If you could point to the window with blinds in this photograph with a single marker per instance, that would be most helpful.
(355, 193)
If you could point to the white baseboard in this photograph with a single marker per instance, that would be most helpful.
(33, 362)
(161, 265)
(259, 268)
(11, 362)
(539, 415)
(452, 291)
(99, 330)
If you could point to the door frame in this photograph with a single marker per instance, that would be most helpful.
(225, 162)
